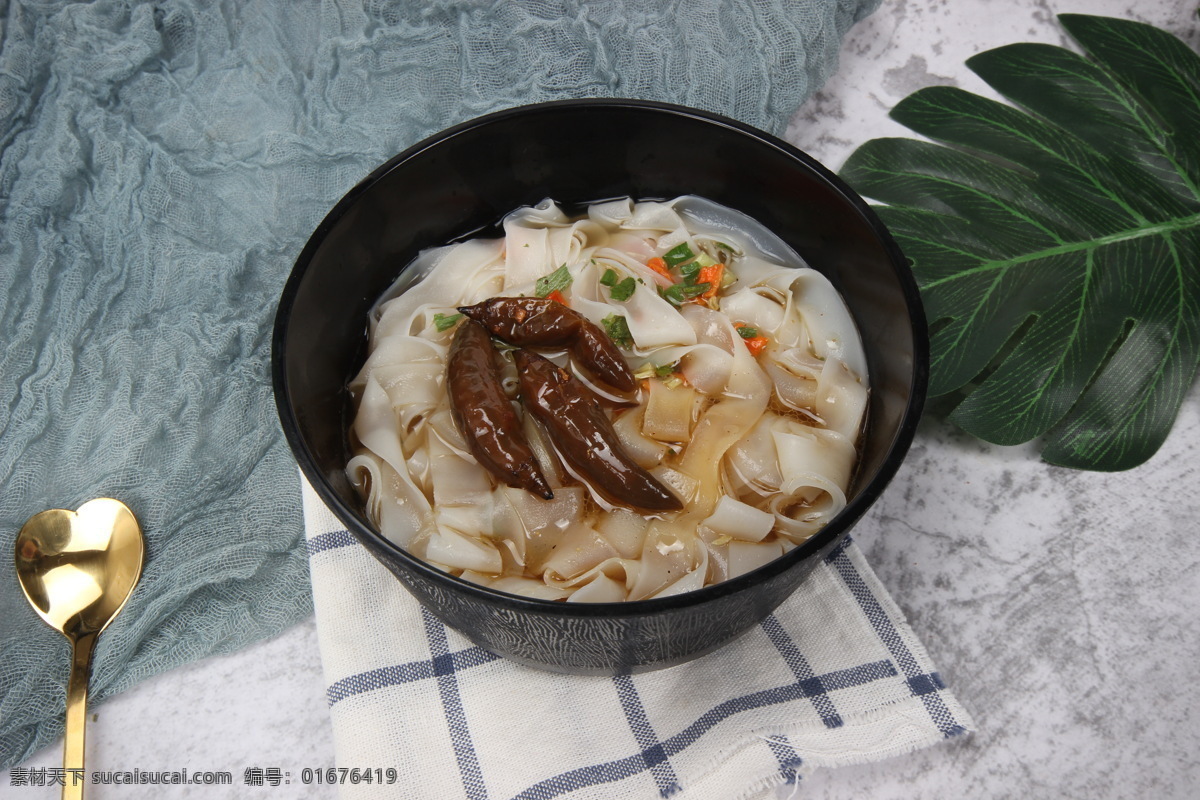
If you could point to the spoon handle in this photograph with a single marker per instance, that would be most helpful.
(77, 690)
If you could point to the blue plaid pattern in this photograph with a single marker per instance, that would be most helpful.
(654, 753)
(923, 685)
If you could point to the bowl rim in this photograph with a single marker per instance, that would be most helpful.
(824, 539)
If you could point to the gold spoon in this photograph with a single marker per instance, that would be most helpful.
(78, 568)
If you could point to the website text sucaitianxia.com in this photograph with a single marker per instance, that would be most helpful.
(251, 776)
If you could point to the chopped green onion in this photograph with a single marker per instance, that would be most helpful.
(623, 290)
(646, 370)
(679, 293)
(746, 332)
(705, 260)
(554, 282)
(689, 271)
(609, 277)
(618, 330)
(666, 370)
(652, 370)
(444, 322)
(678, 254)
(673, 382)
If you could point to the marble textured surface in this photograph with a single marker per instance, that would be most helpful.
(1060, 606)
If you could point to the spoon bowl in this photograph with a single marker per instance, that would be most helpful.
(78, 569)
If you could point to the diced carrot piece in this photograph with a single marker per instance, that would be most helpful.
(712, 276)
(660, 266)
(557, 297)
(755, 344)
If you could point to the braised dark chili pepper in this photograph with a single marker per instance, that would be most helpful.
(538, 322)
(585, 437)
(484, 415)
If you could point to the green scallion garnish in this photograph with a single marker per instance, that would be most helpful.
(666, 369)
(680, 293)
(618, 330)
(623, 290)
(554, 282)
(678, 254)
(445, 321)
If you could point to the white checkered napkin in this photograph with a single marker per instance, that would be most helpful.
(834, 676)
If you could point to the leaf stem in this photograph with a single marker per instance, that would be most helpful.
(1158, 229)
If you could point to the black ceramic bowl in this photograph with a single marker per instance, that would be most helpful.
(466, 179)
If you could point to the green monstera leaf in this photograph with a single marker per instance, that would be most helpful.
(1056, 240)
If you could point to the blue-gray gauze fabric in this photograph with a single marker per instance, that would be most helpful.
(162, 165)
